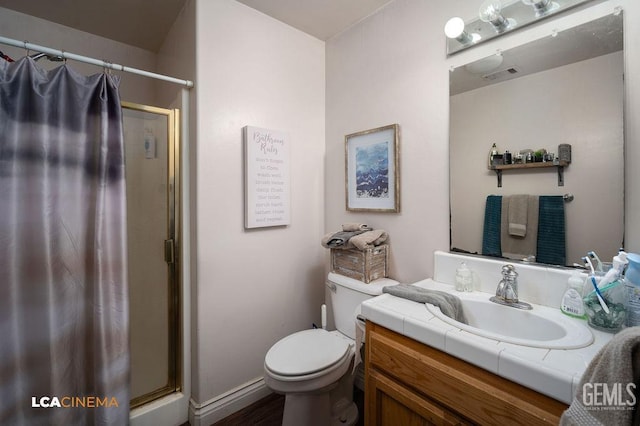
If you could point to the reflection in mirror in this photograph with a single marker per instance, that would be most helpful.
(564, 89)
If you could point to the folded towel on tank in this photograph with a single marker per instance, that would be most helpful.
(349, 227)
(369, 239)
(340, 239)
(449, 304)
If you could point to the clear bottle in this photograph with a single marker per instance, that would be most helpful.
(493, 151)
(464, 278)
(572, 304)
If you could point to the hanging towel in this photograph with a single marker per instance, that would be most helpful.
(519, 247)
(551, 230)
(616, 364)
(518, 206)
(449, 304)
(369, 239)
(491, 230)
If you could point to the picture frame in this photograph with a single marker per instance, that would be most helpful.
(372, 170)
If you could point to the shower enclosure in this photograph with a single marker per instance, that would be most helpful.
(151, 137)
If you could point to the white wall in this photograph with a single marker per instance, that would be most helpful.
(389, 69)
(580, 104)
(392, 67)
(253, 287)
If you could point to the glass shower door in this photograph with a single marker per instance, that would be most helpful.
(151, 152)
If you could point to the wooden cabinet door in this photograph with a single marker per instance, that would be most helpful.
(391, 404)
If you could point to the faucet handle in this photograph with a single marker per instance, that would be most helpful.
(509, 272)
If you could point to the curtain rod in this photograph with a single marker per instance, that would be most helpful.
(98, 62)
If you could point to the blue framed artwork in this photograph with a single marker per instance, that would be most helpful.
(372, 180)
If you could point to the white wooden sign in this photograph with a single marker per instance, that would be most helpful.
(267, 196)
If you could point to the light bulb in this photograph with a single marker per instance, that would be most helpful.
(490, 12)
(454, 28)
(542, 7)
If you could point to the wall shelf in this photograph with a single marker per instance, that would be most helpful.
(560, 165)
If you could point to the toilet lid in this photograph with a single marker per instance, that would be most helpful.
(306, 352)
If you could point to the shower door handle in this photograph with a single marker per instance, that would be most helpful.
(169, 251)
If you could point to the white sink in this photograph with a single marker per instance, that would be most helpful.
(541, 327)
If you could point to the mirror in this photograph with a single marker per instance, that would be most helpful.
(567, 88)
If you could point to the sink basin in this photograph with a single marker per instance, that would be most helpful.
(541, 327)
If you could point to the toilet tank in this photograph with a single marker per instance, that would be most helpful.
(346, 295)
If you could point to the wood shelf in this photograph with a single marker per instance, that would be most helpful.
(544, 164)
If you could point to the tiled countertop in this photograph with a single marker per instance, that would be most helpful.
(553, 372)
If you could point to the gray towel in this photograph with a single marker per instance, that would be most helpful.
(369, 239)
(339, 239)
(616, 364)
(449, 304)
(518, 247)
(347, 227)
(518, 215)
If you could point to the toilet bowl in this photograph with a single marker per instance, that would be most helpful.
(313, 368)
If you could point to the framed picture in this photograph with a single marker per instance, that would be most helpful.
(267, 186)
(372, 180)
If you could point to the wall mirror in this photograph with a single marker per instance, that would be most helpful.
(567, 88)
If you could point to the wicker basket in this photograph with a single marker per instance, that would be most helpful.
(364, 265)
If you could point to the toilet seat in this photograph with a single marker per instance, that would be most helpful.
(307, 354)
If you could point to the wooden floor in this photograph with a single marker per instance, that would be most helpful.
(268, 412)
(265, 412)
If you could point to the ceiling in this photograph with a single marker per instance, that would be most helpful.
(322, 19)
(145, 23)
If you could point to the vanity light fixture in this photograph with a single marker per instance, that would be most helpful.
(498, 17)
(454, 28)
(490, 11)
(541, 7)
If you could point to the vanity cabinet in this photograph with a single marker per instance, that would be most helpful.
(409, 383)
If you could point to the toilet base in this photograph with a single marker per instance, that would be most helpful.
(316, 410)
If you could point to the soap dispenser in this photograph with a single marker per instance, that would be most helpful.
(572, 303)
(464, 278)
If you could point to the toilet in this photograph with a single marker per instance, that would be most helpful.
(313, 368)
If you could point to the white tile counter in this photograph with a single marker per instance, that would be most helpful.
(553, 372)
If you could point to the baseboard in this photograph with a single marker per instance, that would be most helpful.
(215, 409)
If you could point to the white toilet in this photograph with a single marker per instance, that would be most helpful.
(313, 368)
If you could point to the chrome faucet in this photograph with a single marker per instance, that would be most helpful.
(507, 291)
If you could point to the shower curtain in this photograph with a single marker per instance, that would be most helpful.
(64, 349)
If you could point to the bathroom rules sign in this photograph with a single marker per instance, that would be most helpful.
(266, 179)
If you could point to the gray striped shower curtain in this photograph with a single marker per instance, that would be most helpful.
(64, 349)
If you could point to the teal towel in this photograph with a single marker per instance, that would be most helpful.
(551, 230)
(492, 220)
